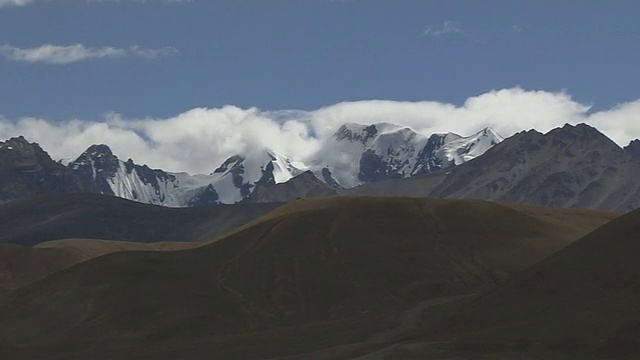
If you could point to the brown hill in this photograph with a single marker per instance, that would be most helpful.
(572, 166)
(580, 303)
(32, 220)
(312, 274)
(22, 265)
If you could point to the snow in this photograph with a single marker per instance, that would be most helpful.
(130, 186)
(228, 193)
(464, 149)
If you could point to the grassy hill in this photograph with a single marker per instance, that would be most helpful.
(32, 220)
(311, 275)
(22, 265)
(580, 303)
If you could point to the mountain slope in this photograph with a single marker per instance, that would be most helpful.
(319, 266)
(582, 302)
(33, 220)
(572, 166)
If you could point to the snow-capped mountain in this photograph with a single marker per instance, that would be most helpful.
(100, 171)
(239, 175)
(358, 154)
(355, 155)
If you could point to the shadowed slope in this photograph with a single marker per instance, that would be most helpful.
(315, 261)
(33, 220)
(582, 302)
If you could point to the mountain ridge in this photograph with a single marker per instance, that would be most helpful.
(571, 166)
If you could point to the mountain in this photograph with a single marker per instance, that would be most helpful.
(572, 166)
(100, 171)
(36, 219)
(26, 169)
(239, 175)
(358, 154)
(310, 275)
(583, 302)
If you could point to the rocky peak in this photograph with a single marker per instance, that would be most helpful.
(26, 169)
(230, 163)
(633, 149)
(94, 158)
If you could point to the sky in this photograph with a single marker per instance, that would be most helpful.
(181, 85)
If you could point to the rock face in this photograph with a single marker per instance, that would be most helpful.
(572, 166)
(26, 169)
(305, 185)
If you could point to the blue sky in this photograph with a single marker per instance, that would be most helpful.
(78, 72)
(305, 55)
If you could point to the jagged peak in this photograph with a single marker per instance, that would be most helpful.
(490, 132)
(18, 138)
(633, 149)
(363, 133)
(20, 141)
(582, 130)
(231, 161)
(98, 150)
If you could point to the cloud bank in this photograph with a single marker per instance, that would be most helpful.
(66, 54)
(198, 140)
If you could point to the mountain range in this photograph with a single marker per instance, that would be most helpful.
(383, 246)
(572, 166)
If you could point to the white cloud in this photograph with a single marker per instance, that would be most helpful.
(4, 3)
(198, 140)
(448, 27)
(66, 54)
(153, 53)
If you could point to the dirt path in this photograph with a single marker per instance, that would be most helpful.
(410, 318)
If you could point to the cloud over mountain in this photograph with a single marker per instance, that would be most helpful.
(198, 140)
